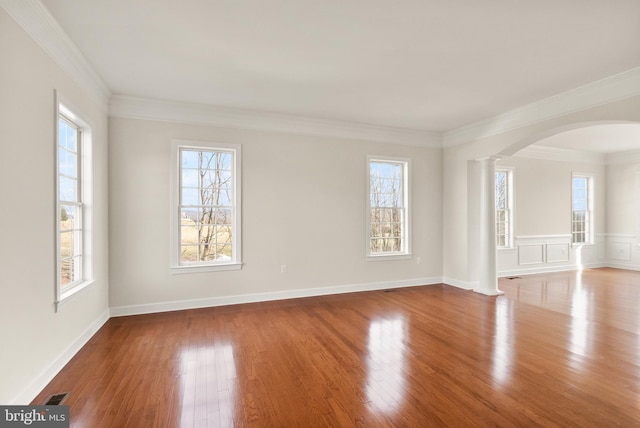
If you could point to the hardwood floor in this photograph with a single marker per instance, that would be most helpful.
(555, 350)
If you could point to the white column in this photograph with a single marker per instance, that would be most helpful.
(488, 278)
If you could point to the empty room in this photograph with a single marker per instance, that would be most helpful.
(321, 213)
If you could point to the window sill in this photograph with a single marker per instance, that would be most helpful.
(505, 249)
(67, 295)
(383, 257)
(179, 270)
(586, 244)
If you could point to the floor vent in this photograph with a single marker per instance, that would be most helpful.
(56, 399)
(390, 290)
(513, 277)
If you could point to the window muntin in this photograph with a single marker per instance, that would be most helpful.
(504, 208)
(581, 209)
(207, 222)
(74, 201)
(637, 200)
(70, 230)
(388, 213)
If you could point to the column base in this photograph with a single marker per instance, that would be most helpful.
(488, 292)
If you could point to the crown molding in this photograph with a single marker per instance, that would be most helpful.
(38, 22)
(607, 90)
(201, 114)
(561, 155)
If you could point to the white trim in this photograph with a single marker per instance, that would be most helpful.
(559, 255)
(486, 292)
(406, 205)
(41, 380)
(87, 191)
(637, 206)
(560, 155)
(522, 262)
(37, 21)
(591, 206)
(622, 250)
(623, 266)
(389, 257)
(510, 185)
(201, 114)
(236, 246)
(70, 294)
(465, 285)
(618, 235)
(179, 270)
(267, 297)
(550, 269)
(544, 237)
(607, 90)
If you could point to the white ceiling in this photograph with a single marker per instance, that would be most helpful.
(426, 64)
(603, 139)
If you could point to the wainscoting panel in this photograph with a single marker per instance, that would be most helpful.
(623, 251)
(557, 253)
(619, 251)
(548, 253)
(530, 254)
(553, 253)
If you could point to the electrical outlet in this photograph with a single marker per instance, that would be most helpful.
(283, 268)
(418, 260)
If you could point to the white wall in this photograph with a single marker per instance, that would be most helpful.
(542, 219)
(622, 194)
(37, 341)
(459, 233)
(623, 217)
(303, 206)
(303, 199)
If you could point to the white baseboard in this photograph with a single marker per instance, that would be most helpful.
(37, 385)
(149, 308)
(460, 284)
(531, 271)
(623, 266)
(551, 269)
(495, 292)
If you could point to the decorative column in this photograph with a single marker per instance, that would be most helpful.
(488, 278)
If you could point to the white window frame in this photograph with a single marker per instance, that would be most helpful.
(590, 223)
(637, 194)
(509, 242)
(85, 203)
(176, 171)
(405, 252)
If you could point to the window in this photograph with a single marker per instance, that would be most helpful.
(582, 209)
(206, 211)
(73, 204)
(504, 208)
(638, 207)
(388, 207)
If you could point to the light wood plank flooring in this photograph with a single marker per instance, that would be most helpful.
(555, 350)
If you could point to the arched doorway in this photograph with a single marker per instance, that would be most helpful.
(482, 174)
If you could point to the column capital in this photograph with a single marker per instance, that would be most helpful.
(492, 158)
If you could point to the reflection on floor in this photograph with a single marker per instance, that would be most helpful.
(555, 350)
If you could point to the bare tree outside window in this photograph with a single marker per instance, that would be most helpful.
(206, 207)
(503, 210)
(581, 210)
(70, 227)
(387, 211)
